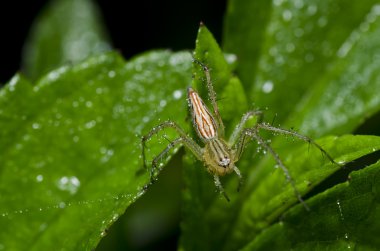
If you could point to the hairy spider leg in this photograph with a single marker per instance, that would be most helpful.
(184, 139)
(237, 171)
(297, 135)
(239, 128)
(254, 133)
(219, 185)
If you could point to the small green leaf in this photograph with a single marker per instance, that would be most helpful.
(208, 53)
(70, 166)
(341, 218)
(67, 31)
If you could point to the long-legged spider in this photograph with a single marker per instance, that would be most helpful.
(218, 154)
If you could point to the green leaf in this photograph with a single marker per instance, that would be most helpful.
(67, 31)
(286, 48)
(244, 34)
(341, 218)
(269, 199)
(347, 93)
(70, 146)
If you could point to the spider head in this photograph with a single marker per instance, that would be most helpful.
(218, 157)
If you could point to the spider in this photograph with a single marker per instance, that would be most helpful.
(218, 154)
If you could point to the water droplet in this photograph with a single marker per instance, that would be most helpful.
(114, 217)
(340, 210)
(290, 47)
(70, 184)
(12, 83)
(62, 204)
(145, 119)
(267, 86)
(75, 139)
(230, 58)
(287, 15)
(312, 9)
(163, 103)
(177, 94)
(39, 178)
(103, 233)
(107, 154)
(298, 4)
(36, 126)
(111, 74)
(273, 51)
(90, 124)
(322, 21)
(42, 226)
(89, 104)
(278, 2)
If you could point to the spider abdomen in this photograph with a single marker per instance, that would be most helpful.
(204, 122)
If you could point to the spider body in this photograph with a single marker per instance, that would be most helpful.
(218, 154)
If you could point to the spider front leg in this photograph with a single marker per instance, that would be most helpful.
(212, 96)
(183, 139)
(239, 128)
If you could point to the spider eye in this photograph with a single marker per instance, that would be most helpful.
(224, 161)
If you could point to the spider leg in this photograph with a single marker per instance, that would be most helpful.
(244, 139)
(212, 95)
(186, 140)
(297, 135)
(237, 171)
(218, 184)
(239, 128)
(161, 155)
(254, 134)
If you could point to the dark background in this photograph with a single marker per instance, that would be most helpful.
(134, 26)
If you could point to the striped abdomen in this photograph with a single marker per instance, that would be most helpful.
(203, 121)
